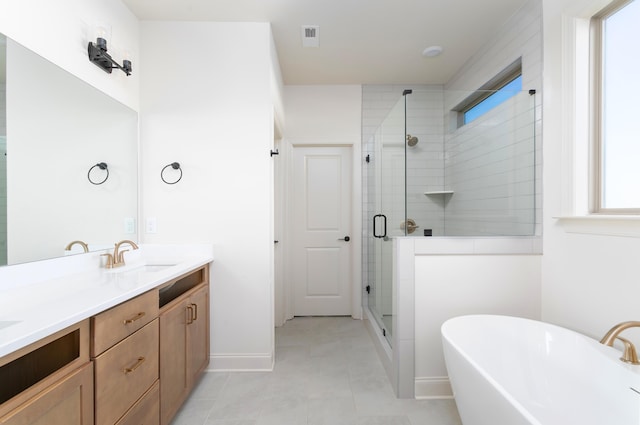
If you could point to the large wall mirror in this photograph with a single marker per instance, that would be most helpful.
(53, 128)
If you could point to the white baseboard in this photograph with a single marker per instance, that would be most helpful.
(241, 363)
(433, 387)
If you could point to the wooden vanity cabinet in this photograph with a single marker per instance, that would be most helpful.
(49, 382)
(133, 364)
(184, 340)
(125, 354)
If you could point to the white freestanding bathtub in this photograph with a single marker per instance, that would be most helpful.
(512, 371)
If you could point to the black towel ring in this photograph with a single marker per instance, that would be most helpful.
(102, 166)
(175, 166)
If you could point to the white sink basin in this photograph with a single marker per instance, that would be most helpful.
(7, 323)
(142, 268)
(150, 268)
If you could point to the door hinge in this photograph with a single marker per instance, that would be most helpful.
(368, 288)
(384, 332)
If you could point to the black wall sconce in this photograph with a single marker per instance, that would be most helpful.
(103, 60)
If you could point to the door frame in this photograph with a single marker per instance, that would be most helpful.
(286, 298)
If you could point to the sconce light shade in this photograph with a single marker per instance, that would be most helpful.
(126, 66)
(103, 60)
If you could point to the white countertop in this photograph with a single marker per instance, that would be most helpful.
(38, 299)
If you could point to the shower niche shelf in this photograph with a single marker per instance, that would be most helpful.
(438, 192)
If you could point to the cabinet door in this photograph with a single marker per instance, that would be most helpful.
(198, 334)
(173, 360)
(67, 402)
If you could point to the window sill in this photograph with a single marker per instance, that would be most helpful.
(596, 224)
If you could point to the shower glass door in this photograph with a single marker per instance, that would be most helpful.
(387, 179)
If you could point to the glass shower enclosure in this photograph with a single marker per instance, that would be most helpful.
(386, 209)
(426, 174)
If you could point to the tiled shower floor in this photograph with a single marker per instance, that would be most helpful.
(327, 372)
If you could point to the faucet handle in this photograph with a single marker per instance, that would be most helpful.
(109, 263)
(629, 354)
(121, 256)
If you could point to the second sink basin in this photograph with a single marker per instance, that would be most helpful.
(142, 268)
(150, 268)
(7, 323)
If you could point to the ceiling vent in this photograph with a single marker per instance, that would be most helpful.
(310, 36)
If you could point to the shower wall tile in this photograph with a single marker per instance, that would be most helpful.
(490, 169)
(490, 166)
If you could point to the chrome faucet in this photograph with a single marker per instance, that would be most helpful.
(629, 355)
(82, 244)
(117, 258)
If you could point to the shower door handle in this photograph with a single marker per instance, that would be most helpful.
(384, 234)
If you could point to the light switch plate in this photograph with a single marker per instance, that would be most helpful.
(129, 225)
(151, 225)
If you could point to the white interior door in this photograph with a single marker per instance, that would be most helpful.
(278, 237)
(321, 231)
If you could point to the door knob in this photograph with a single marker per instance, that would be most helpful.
(346, 239)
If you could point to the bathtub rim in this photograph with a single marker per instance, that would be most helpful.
(610, 353)
(511, 399)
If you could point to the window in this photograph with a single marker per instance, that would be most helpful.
(501, 88)
(617, 108)
(494, 99)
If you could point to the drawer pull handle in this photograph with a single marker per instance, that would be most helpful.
(190, 318)
(195, 312)
(135, 366)
(134, 318)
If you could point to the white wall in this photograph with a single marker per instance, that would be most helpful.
(328, 115)
(323, 115)
(60, 30)
(590, 267)
(207, 92)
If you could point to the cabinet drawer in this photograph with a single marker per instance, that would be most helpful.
(122, 320)
(146, 411)
(125, 372)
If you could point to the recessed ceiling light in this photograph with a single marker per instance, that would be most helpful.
(432, 51)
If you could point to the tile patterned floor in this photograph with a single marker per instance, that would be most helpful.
(327, 372)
